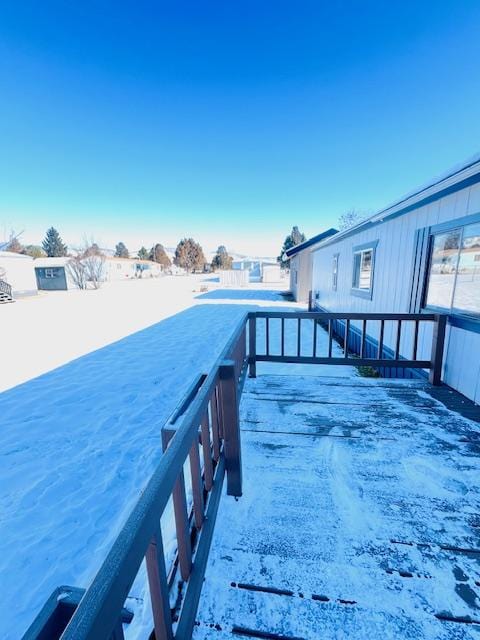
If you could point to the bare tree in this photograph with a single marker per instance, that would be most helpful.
(87, 266)
(76, 271)
(94, 264)
(350, 219)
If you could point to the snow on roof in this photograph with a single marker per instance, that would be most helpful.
(309, 243)
(13, 255)
(414, 198)
(51, 262)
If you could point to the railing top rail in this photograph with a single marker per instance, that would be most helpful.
(321, 315)
(98, 610)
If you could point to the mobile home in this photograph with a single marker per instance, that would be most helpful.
(421, 253)
(300, 258)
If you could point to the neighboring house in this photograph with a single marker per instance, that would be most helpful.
(123, 268)
(17, 270)
(53, 274)
(421, 253)
(301, 265)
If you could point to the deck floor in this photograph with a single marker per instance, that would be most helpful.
(360, 516)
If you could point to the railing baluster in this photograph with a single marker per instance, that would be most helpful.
(364, 333)
(181, 518)
(299, 336)
(283, 337)
(207, 453)
(415, 340)
(380, 340)
(345, 344)
(215, 425)
(330, 339)
(314, 338)
(399, 336)
(267, 336)
(252, 346)
(197, 487)
(158, 586)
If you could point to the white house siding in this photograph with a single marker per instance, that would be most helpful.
(393, 273)
(300, 275)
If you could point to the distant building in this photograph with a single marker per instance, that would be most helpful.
(17, 271)
(301, 265)
(52, 274)
(271, 273)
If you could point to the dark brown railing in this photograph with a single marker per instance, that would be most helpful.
(208, 417)
(341, 323)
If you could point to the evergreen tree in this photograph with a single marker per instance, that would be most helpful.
(294, 237)
(121, 251)
(221, 259)
(143, 254)
(158, 254)
(189, 255)
(53, 244)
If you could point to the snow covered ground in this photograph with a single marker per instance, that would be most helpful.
(78, 443)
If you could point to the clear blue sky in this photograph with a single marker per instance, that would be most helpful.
(228, 121)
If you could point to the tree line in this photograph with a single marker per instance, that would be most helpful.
(188, 253)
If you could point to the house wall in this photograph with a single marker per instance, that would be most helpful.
(393, 275)
(19, 273)
(301, 275)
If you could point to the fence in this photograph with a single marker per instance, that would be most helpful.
(380, 359)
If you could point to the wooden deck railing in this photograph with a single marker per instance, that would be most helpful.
(309, 353)
(208, 418)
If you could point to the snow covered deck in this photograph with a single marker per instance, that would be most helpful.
(360, 516)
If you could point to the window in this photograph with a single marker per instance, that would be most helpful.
(50, 273)
(335, 272)
(453, 279)
(363, 267)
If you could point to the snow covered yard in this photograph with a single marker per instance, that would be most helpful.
(78, 443)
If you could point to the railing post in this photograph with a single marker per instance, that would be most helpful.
(159, 594)
(438, 342)
(231, 425)
(252, 341)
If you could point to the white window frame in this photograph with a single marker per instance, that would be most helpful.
(360, 251)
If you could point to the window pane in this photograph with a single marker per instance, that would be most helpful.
(335, 272)
(356, 269)
(443, 266)
(467, 288)
(365, 270)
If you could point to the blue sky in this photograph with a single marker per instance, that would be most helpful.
(228, 121)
